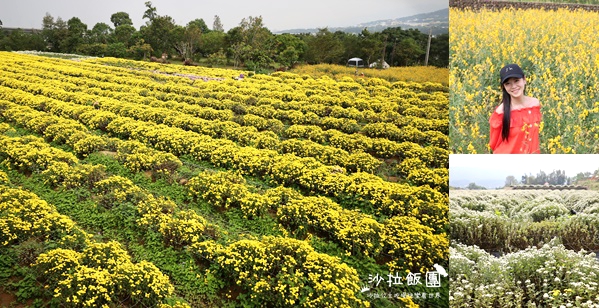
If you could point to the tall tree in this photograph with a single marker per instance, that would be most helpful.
(187, 40)
(371, 45)
(557, 177)
(120, 19)
(217, 24)
(61, 32)
(212, 42)
(409, 51)
(158, 33)
(324, 47)
(124, 34)
(253, 43)
(199, 24)
(100, 33)
(123, 28)
(510, 180)
(54, 32)
(48, 29)
(289, 49)
(76, 36)
(150, 12)
(351, 47)
(234, 41)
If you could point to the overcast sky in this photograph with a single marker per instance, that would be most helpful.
(491, 170)
(277, 15)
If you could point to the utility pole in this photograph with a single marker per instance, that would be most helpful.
(428, 47)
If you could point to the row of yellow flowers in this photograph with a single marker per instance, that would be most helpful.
(230, 130)
(243, 135)
(306, 92)
(391, 131)
(387, 198)
(394, 120)
(170, 71)
(134, 155)
(101, 273)
(24, 216)
(284, 272)
(420, 74)
(278, 81)
(412, 246)
(288, 169)
(82, 272)
(177, 226)
(431, 106)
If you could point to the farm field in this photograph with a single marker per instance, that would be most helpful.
(558, 51)
(419, 74)
(524, 248)
(135, 184)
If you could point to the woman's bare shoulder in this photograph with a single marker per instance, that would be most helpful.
(499, 109)
(533, 102)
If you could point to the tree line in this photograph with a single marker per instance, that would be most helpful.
(250, 44)
(556, 177)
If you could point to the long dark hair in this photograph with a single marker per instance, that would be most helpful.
(506, 99)
(507, 110)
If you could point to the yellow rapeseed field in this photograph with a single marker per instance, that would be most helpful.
(404, 73)
(559, 53)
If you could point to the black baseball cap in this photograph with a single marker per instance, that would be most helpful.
(509, 71)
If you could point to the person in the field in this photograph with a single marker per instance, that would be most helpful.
(515, 122)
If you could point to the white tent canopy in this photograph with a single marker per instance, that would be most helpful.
(356, 62)
(375, 64)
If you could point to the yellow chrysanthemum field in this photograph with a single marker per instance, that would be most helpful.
(138, 184)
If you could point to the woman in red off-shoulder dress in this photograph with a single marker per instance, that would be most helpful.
(515, 123)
